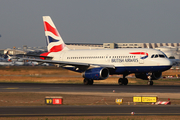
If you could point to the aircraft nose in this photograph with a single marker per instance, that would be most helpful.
(170, 63)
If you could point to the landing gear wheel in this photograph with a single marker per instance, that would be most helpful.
(88, 82)
(91, 82)
(120, 81)
(123, 81)
(150, 82)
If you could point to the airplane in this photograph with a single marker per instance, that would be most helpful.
(96, 64)
(15, 60)
(5, 61)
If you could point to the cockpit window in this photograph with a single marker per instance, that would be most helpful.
(156, 56)
(152, 56)
(161, 56)
(164, 54)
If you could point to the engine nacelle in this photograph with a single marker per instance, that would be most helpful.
(96, 73)
(144, 76)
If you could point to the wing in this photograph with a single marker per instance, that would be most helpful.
(75, 64)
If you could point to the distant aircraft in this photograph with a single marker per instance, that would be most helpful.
(21, 62)
(3, 60)
(147, 64)
(6, 63)
(14, 60)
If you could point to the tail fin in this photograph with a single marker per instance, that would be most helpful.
(54, 41)
(7, 56)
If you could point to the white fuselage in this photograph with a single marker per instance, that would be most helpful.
(128, 57)
(117, 57)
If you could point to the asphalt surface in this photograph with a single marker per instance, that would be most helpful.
(88, 111)
(107, 110)
(36, 87)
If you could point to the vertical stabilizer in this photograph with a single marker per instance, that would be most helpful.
(54, 41)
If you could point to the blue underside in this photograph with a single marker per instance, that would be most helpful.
(139, 69)
(131, 69)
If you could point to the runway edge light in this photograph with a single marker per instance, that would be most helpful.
(53, 100)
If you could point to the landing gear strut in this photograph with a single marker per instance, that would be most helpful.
(150, 82)
(88, 81)
(123, 81)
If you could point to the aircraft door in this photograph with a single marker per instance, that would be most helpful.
(141, 61)
(61, 56)
(107, 59)
(142, 57)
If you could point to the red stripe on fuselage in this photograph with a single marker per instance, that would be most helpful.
(48, 27)
(139, 53)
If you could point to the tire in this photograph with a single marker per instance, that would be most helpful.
(120, 81)
(125, 81)
(86, 81)
(91, 82)
(150, 83)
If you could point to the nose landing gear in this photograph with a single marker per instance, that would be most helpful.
(150, 82)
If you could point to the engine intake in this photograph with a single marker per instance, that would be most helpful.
(96, 73)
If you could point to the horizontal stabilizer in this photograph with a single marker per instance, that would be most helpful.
(30, 55)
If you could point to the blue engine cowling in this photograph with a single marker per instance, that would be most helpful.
(154, 76)
(96, 73)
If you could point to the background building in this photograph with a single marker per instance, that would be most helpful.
(138, 45)
(172, 50)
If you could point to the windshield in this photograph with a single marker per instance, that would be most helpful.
(158, 56)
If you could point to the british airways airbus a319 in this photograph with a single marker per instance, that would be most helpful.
(96, 64)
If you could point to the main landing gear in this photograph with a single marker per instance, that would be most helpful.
(88, 81)
(123, 81)
(150, 82)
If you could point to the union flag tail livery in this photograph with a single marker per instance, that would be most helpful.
(54, 40)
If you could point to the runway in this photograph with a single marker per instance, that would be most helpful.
(88, 111)
(91, 110)
(42, 87)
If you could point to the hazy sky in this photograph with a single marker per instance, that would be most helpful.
(90, 21)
